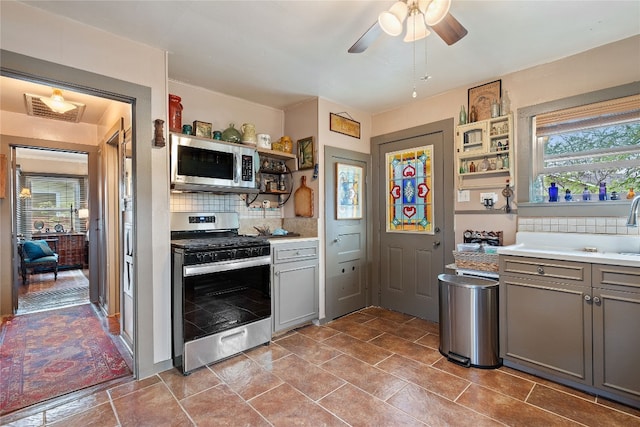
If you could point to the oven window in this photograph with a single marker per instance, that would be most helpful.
(204, 163)
(219, 301)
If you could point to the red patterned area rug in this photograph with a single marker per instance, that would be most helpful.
(49, 354)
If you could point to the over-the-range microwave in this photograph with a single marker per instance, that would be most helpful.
(199, 164)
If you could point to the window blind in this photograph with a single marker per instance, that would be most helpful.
(53, 204)
(614, 111)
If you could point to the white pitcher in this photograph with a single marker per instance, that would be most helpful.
(249, 134)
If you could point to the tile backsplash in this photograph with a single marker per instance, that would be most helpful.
(593, 225)
(208, 202)
(250, 217)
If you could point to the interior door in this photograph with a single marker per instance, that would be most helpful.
(407, 263)
(110, 231)
(346, 237)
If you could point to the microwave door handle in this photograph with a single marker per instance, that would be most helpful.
(236, 169)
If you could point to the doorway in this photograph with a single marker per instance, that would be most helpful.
(72, 224)
(51, 207)
(410, 251)
(347, 231)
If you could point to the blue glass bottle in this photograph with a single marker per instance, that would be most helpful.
(602, 193)
(553, 192)
(586, 194)
(567, 195)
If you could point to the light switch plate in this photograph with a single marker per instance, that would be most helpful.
(464, 196)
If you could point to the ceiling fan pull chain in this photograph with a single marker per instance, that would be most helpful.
(415, 93)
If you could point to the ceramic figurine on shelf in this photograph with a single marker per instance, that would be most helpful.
(631, 194)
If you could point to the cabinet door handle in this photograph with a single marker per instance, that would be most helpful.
(436, 243)
(596, 300)
(336, 240)
(277, 273)
(587, 297)
(541, 270)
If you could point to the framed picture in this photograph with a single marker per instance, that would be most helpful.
(344, 125)
(202, 129)
(348, 191)
(481, 97)
(305, 153)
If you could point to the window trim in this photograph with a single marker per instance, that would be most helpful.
(526, 146)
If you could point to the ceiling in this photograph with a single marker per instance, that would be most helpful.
(278, 53)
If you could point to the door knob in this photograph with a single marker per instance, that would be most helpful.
(336, 240)
(587, 298)
(596, 300)
(436, 243)
(437, 229)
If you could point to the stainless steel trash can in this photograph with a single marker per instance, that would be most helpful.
(469, 320)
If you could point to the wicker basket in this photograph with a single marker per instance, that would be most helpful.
(476, 261)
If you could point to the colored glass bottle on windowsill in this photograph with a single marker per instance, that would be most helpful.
(586, 194)
(602, 192)
(631, 194)
(553, 192)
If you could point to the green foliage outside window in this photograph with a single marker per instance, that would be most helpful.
(584, 158)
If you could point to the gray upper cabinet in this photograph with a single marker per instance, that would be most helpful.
(572, 322)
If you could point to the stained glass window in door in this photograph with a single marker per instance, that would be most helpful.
(409, 198)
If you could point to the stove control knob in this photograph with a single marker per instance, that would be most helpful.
(199, 256)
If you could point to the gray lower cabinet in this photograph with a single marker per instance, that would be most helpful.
(616, 339)
(295, 283)
(572, 322)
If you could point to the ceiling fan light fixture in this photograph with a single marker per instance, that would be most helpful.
(436, 11)
(391, 21)
(416, 28)
(57, 103)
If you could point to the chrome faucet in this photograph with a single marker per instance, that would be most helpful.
(632, 221)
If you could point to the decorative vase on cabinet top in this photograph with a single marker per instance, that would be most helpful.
(231, 134)
(249, 134)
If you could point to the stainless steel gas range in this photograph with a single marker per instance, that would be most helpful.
(221, 289)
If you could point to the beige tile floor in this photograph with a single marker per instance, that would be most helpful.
(371, 368)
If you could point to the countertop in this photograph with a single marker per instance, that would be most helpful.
(610, 249)
(289, 239)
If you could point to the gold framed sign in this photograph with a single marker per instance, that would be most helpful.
(480, 98)
(344, 125)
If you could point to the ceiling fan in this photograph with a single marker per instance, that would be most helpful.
(434, 13)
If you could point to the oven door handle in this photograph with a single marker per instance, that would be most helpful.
(216, 267)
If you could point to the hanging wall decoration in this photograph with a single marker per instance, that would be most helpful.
(481, 97)
(409, 196)
(344, 125)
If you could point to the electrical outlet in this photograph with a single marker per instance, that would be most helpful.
(492, 196)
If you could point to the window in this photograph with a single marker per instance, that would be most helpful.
(53, 204)
(586, 149)
(582, 144)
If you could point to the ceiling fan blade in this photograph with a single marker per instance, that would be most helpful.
(367, 38)
(449, 29)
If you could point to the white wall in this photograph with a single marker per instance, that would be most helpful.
(33, 32)
(602, 67)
